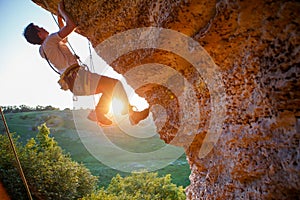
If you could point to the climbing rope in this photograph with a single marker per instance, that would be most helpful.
(16, 156)
(91, 58)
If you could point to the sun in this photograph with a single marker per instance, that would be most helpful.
(117, 105)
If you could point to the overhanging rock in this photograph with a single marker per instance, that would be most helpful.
(255, 46)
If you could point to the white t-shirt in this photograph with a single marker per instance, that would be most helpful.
(57, 52)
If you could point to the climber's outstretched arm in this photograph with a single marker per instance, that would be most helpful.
(61, 25)
(60, 21)
(70, 25)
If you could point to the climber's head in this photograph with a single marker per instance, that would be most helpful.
(35, 34)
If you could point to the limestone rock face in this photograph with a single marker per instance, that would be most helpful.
(256, 46)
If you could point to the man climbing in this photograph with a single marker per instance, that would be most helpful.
(75, 77)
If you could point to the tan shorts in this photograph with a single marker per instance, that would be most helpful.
(83, 82)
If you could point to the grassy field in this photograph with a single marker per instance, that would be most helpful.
(80, 137)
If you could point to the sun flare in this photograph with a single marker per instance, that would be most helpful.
(116, 107)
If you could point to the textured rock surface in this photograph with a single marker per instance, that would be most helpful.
(256, 46)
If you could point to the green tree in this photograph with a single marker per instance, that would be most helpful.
(50, 173)
(45, 142)
(139, 186)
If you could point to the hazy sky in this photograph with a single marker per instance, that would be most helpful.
(25, 77)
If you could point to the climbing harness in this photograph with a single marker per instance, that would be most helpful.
(16, 156)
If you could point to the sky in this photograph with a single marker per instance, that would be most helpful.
(26, 78)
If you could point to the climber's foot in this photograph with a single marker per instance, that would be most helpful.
(105, 124)
(100, 118)
(92, 116)
(136, 116)
(124, 111)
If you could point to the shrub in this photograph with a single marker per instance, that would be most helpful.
(50, 173)
(138, 186)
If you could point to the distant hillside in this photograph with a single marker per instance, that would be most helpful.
(24, 108)
(63, 123)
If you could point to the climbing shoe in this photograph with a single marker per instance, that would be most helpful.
(136, 116)
(100, 118)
